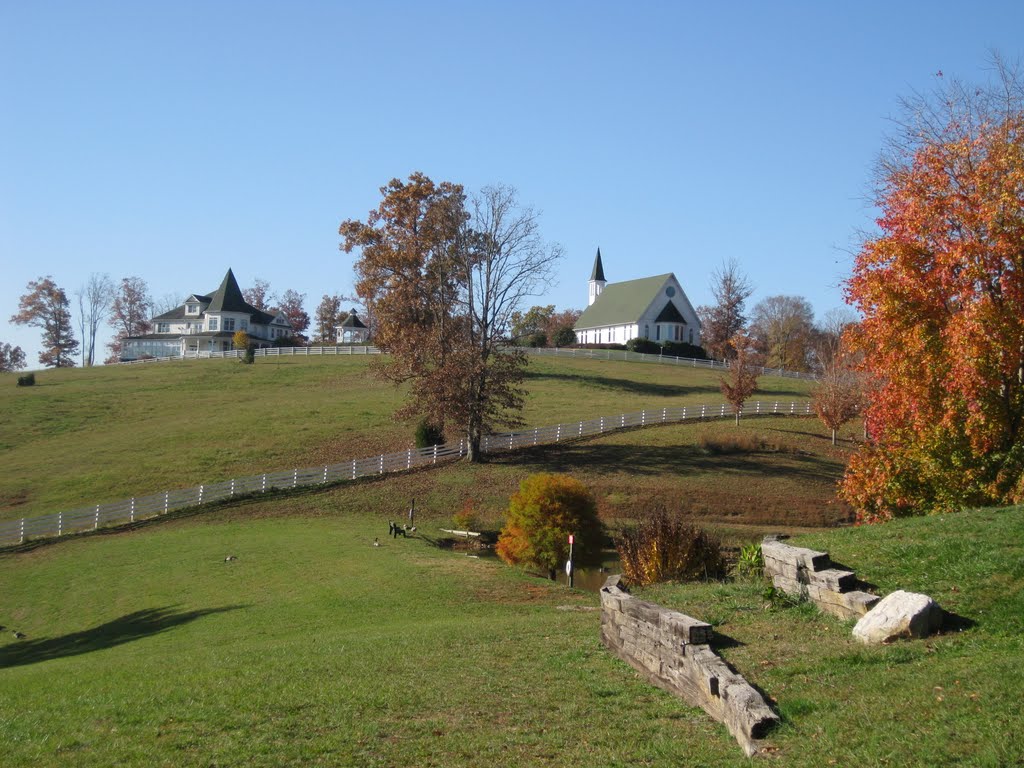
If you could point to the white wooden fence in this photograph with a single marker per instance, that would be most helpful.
(96, 516)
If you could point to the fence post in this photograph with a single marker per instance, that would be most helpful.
(132, 515)
(96, 521)
(353, 469)
(535, 435)
(435, 455)
(263, 484)
(167, 501)
(510, 436)
(684, 413)
(60, 523)
(722, 414)
(558, 433)
(201, 488)
(232, 486)
(792, 407)
(408, 459)
(757, 407)
(295, 477)
(643, 418)
(702, 410)
(602, 425)
(325, 473)
(581, 429)
(622, 420)
(382, 464)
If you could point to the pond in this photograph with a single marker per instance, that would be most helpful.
(590, 579)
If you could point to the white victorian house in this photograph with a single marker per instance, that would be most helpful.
(654, 308)
(207, 323)
(352, 330)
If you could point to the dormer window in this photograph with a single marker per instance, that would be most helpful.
(192, 308)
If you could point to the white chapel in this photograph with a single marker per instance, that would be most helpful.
(654, 308)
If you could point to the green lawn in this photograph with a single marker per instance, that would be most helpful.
(314, 647)
(87, 436)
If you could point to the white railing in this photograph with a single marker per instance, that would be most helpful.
(96, 516)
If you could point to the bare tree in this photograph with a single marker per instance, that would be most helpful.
(291, 303)
(94, 299)
(782, 328)
(259, 295)
(167, 303)
(325, 318)
(129, 313)
(721, 322)
(445, 281)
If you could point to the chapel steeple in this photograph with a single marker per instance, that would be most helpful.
(597, 281)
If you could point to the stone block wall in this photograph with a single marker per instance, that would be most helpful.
(672, 651)
(810, 575)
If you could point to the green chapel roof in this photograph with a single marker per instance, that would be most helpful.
(621, 303)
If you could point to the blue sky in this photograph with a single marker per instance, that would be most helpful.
(173, 140)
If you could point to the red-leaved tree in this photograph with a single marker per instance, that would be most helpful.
(941, 291)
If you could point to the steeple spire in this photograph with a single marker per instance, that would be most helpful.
(597, 281)
(598, 272)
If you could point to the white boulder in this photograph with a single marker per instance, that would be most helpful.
(901, 614)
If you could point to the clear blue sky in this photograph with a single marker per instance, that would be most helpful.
(171, 140)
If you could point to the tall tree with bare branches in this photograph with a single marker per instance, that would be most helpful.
(727, 317)
(444, 276)
(130, 312)
(94, 302)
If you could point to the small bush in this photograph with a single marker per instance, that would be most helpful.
(28, 380)
(643, 346)
(428, 434)
(664, 547)
(564, 337)
(750, 564)
(540, 517)
(682, 349)
(466, 518)
(250, 354)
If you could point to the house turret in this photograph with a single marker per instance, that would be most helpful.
(597, 281)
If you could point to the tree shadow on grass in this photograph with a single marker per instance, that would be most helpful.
(650, 460)
(646, 388)
(133, 626)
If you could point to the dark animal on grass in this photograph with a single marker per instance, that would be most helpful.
(395, 530)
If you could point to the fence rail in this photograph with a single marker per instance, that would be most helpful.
(568, 352)
(91, 518)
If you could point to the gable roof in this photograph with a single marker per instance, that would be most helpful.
(621, 303)
(670, 314)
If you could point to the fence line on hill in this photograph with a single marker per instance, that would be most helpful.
(562, 352)
(93, 517)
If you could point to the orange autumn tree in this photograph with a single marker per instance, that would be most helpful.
(941, 291)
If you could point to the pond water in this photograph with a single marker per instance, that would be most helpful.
(589, 579)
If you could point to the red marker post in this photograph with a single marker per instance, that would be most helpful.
(568, 563)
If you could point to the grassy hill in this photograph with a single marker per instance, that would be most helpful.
(314, 647)
(84, 436)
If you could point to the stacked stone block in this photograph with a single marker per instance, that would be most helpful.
(672, 651)
(809, 575)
